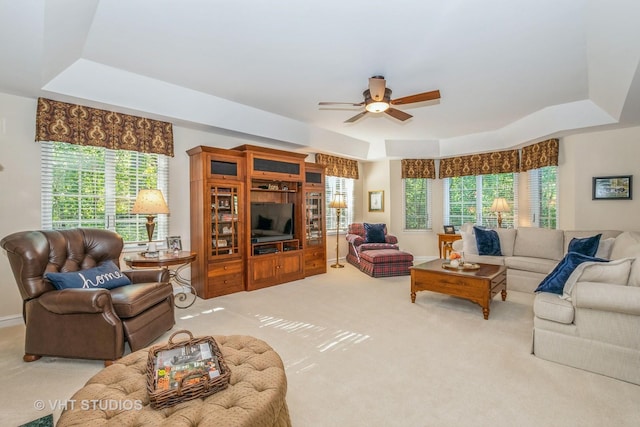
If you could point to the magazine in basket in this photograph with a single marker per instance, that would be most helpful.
(197, 361)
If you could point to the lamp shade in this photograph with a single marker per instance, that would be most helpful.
(500, 205)
(150, 202)
(338, 202)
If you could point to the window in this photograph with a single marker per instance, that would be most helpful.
(469, 199)
(334, 184)
(417, 203)
(542, 197)
(84, 186)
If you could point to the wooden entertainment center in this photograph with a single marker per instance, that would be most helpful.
(284, 239)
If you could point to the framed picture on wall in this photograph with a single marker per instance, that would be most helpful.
(376, 201)
(612, 187)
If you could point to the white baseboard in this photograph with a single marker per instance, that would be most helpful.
(10, 321)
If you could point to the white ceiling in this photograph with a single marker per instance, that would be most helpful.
(509, 72)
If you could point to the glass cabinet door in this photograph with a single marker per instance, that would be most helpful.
(224, 221)
(314, 217)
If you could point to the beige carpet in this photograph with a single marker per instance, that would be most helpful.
(358, 353)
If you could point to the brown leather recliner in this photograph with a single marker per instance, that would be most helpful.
(85, 323)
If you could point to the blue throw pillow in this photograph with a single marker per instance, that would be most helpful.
(487, 241)
(106, 276)
(554, 282)
(374, 233)
(587, 246)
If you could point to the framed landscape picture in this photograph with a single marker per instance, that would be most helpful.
(612, 187)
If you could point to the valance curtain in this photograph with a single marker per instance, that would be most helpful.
(418, 168)
(480, 164)
(338, 166)
(539, 155)
(76, 124)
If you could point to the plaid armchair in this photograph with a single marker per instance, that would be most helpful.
(356, 237)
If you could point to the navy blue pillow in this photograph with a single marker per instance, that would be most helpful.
(106, 276)
(374, 233)
(587, 246)
(554, 282)
(487, 241)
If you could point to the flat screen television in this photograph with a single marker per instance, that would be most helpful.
(271, 222)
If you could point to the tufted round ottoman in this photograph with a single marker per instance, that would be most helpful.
(117, 395)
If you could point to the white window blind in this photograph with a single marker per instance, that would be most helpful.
(84, 186)
(333, 185)
(543, 210)
(469, 199)
(417, 203)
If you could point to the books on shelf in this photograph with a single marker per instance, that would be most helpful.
(197, 361)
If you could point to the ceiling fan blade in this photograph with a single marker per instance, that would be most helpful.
(356, 117)
(342, 103)
(397, 114)
(377, 85)
(420, 97)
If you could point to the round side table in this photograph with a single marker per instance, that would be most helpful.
(165, 259)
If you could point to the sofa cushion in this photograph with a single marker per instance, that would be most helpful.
(106, 275)
(627, 245)
(129, 301)
(604, 248)
(535, 265)
(487, 241)
(551, 307)
(485, 259)
(469, 245)
(539, 243)
(507, 240)
(374, 233)
(555, 281)
(586, 246)
(614, 272)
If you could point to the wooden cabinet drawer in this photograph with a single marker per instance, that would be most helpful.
(224, 284)
(229, 267)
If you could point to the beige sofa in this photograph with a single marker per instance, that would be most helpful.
(529, 253)
(594, 324)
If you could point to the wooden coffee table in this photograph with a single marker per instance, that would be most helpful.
(479, 285)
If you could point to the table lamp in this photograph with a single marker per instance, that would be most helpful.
(338, 203)
(500, 205)
(150, 203)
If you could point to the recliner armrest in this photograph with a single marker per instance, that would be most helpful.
(607, 297)
(148, 275)
(74, 301)
(390, 238)
(354, 239)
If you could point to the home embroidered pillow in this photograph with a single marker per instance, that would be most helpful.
(374, 233)
(488, 241)
(587, 246)
(106, 276)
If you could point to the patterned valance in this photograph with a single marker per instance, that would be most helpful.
(338, 166)
(539, 155)
(76, 124)
(418, 168)
(480, 164)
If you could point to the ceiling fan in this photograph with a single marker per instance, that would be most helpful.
(377, 99)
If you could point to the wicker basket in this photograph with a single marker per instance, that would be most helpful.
(205, 387)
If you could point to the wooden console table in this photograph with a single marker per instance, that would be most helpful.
(166, 259)
(445, 242)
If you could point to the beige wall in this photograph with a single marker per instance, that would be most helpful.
(582, 156)
(587, 155)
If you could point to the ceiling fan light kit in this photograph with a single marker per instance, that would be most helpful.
(377, 99)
